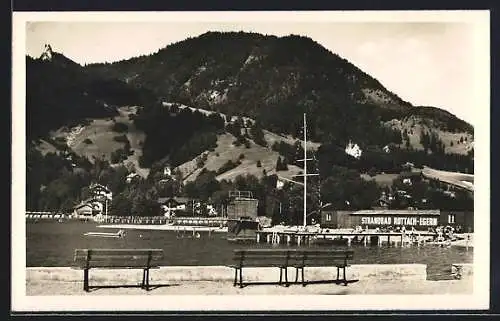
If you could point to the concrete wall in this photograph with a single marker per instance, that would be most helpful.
(222, 273)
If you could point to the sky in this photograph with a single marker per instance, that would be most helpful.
(429, 63)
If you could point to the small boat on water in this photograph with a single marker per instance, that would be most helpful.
(119, 234)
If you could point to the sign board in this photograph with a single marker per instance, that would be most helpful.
(392, 220)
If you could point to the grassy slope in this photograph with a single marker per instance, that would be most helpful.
(225, 151)
(415, 127)
(100, 133)
(381, 179)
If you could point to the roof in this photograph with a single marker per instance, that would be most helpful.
(398, 212)
(83, 205)
(99, 187)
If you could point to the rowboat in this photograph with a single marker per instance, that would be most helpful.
(119, 234)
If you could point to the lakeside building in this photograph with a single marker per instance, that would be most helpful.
(186, 207)
(88, 209)
(242, 216)
(383, 218)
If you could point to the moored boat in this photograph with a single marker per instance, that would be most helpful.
(119, 234)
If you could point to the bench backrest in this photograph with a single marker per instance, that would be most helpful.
(277, 257)
(95, 258)
(322, 257)
(261, 257)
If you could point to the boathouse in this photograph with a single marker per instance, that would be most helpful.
(384, 218)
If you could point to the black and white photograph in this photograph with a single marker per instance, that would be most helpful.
(250, 161)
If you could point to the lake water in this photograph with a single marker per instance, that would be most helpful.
(49, 243)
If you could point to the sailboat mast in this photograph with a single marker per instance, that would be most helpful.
(305, 170)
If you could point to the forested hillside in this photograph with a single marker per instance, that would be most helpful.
(260, 87)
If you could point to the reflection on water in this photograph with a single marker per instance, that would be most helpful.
(52, 244)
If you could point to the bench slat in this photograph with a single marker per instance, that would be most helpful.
(136, 261)
(291, 257)
(124, 257)
(119, 258)
(78, 267)
(117, 264)
(83, 252)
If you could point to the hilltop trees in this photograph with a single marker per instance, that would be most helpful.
(180, 137)
(346, 190)
(281, 164)
(258, 134)
(431, 142)
(62, 93)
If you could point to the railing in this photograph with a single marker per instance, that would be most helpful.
(240, 194)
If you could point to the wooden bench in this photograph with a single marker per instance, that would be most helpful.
(300, 259)
(144, 259)
(259, 258)
(284, 258)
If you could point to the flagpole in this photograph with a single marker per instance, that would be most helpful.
(305, 169)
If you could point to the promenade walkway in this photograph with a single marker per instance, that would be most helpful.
(364, 279)
(464, 286)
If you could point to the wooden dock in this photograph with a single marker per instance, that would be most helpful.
(365, 237)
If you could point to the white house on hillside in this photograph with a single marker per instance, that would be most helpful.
(353, 149)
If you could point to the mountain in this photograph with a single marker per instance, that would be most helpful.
(60, 92)
(275, 80)
(217, 107)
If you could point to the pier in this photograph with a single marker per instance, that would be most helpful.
(366, 237)
(46, 215)
(136, 220)
(162, 220)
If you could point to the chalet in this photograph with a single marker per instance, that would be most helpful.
(383, 202)
(83, 210)
(88, 208)
(407, 166)
(100, 192)
(171, 205)
(407, 181)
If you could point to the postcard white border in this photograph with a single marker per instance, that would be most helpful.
(479, 20)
